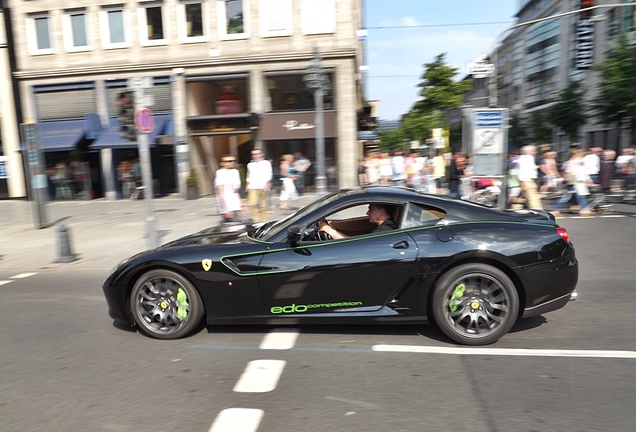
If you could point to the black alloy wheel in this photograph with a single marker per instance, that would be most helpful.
(165, 305)
(475, 304)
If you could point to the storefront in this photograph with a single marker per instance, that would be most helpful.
(292, 132)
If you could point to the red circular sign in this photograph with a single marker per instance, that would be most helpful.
(144, 120)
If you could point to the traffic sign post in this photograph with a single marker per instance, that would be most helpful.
(145, 123)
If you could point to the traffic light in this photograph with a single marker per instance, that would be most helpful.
(127, 115)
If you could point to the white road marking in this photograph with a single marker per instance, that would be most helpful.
(280, 339)
(506, 351)
(4, 282)
(23, 275)
(260, 376)
(237, 419)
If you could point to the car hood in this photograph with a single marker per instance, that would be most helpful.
(225, 233)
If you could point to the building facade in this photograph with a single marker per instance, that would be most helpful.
(225, 77)
(535, 62)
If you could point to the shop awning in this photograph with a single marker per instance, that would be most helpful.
(61, 135)
(110, 138)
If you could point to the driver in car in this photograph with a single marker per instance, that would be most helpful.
(379, 214)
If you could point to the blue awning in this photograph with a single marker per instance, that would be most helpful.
(110, 138)
(61, 135)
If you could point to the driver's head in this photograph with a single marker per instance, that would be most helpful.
(378, 213)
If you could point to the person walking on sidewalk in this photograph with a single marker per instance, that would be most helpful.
(259, 176)
(301, 164)
(287, 176)
(578, 181)
(227, 184)
(528, 176)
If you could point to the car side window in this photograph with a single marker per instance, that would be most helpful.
(419, 215)
(354, 221)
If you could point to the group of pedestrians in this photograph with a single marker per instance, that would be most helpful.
(258, 185)
(583, 174)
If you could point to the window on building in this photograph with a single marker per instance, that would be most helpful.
(219, 96)
(276, 17)
(318, 16)
(192, 21)
(233, 18)
(75, 34)
(288, 92)
(114, 27)
(39, 34)
(151, 24)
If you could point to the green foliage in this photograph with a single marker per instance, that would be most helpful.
(569, 112)
(616, 97)
(541, 127)
(438, 93)
(191, 181)
(438, 90)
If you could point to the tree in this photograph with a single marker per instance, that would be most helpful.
(438, 90)
(569, 112)
(616, 97)
(541, 127)
(517, 132)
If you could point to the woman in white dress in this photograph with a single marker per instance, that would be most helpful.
(287, 175)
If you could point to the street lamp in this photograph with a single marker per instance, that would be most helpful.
(317, 81)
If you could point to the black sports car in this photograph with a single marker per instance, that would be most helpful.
(471, 269)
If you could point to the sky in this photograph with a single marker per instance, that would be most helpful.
(396, 56)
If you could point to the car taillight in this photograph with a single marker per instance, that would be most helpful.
(563, 233)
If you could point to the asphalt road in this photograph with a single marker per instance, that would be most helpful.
(64, 366)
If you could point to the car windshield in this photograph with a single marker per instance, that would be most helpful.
(266, 231)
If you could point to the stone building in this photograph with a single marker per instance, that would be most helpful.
(225, 76)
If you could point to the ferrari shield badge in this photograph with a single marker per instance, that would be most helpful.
(207, 264)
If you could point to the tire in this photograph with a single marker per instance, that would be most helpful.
(158, 307)
(475, 304)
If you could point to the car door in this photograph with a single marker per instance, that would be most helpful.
(363, 272)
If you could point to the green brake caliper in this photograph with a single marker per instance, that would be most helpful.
(458, 293)
(182, 304)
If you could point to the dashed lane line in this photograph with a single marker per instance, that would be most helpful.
(22, 275)
(237, 419)
(280, 339)
(260, 376)
(505, 351)
(4, 282)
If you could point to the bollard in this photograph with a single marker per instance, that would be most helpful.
(65, 253)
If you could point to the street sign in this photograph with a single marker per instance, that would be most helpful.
(144, 120)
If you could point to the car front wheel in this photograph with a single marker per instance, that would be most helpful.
(165, 305)
(475, 304)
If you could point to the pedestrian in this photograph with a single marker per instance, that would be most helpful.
(259, 176)
(398, 169)
(550, 172)
(386, 170)
(527, 175)
(439, 170)
(606, 173)
(577, 182)
(288, 190)
(372, 169)
(227, 184)
(592, 163)
(301, 165)
(455, 173)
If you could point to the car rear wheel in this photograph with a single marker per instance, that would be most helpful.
(165, 305)
(475, 304)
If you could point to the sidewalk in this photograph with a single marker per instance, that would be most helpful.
(101, 233)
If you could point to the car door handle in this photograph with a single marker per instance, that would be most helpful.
(400, 245)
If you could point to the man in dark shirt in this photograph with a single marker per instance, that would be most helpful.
(379, 214)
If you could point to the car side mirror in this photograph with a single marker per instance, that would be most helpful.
(295, 234)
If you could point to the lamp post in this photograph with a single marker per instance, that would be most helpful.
(317, 81)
